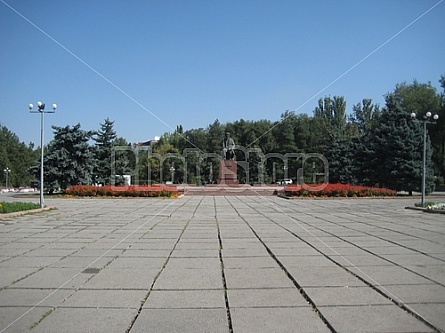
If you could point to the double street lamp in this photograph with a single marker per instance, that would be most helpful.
(7, 171)
(42, 111)
(172, 173)
(425, 120)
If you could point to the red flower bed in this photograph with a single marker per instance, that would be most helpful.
(336, 190)
(123, 191)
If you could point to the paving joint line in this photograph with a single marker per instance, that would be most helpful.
(80, 272)
(399, 303)
(369, 251)
(223, 274)
(288, 274)
(144, 300)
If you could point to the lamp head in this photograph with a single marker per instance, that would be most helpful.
(428, 114)
(436, 116)
(413, 115)
(54, 106)
(30, 106)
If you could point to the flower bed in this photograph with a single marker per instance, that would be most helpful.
(336, 190)
(436, 206)
(123, 191)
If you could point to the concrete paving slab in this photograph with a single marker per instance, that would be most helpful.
(254, 251)
(194, 263)
(435, 273)
(86, 320)
(263, 298)
(152, 244)
(434, 313)
(362, 260)
(253, 278)
(312, 261)
(277, 320)
(12, 275)
(82, 262)
(140, 262)
(19, 319)
(202, 244)
(109, 298)
(297, 251)
(66, 278)
(195, 253)
(23, 261)
(185, 299)
(413, 259)
(416, 294)
(250, 262)
(389, 275)
(181, 320)
(164, 253)
(325, 276)
(377, 318)
(180, 279)
(135, 278)
(31, 297)
(335, 296)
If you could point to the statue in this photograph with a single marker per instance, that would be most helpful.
(228, 151)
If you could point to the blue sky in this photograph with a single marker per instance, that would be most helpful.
(155, 64)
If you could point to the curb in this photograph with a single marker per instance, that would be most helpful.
(426, 210)
(24, 212)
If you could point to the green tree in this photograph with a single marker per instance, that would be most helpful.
(364, 120)
(332, 113)
(123, 161)
(397, 149)
(215, 136)
(18, 157)
(68, 160)
(437, 133)
(340, 154)
(365, 116)
(104, 142)
(284, 133)
(422, 98)
(333, 129)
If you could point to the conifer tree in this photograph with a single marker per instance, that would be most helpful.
(104, 139)
(68, 159)
(397, 149)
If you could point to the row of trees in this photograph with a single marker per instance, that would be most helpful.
(16, 156)
(372, 146)
(377, 146)
(70, 159)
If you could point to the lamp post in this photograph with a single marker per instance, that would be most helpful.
(42, 111)
(7, 171)
(424, 120)
(285, 168)
(172, 173)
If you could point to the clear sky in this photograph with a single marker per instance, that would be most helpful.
(154, 64)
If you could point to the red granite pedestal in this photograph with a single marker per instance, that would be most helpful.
(227, 173)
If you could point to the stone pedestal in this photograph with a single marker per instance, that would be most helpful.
(227, 173)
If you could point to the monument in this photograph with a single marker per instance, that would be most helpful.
(228, 166)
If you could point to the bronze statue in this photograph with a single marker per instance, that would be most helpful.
(228, 152)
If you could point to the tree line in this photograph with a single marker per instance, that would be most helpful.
(373, 145)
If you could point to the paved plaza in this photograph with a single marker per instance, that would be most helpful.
(238, 264)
